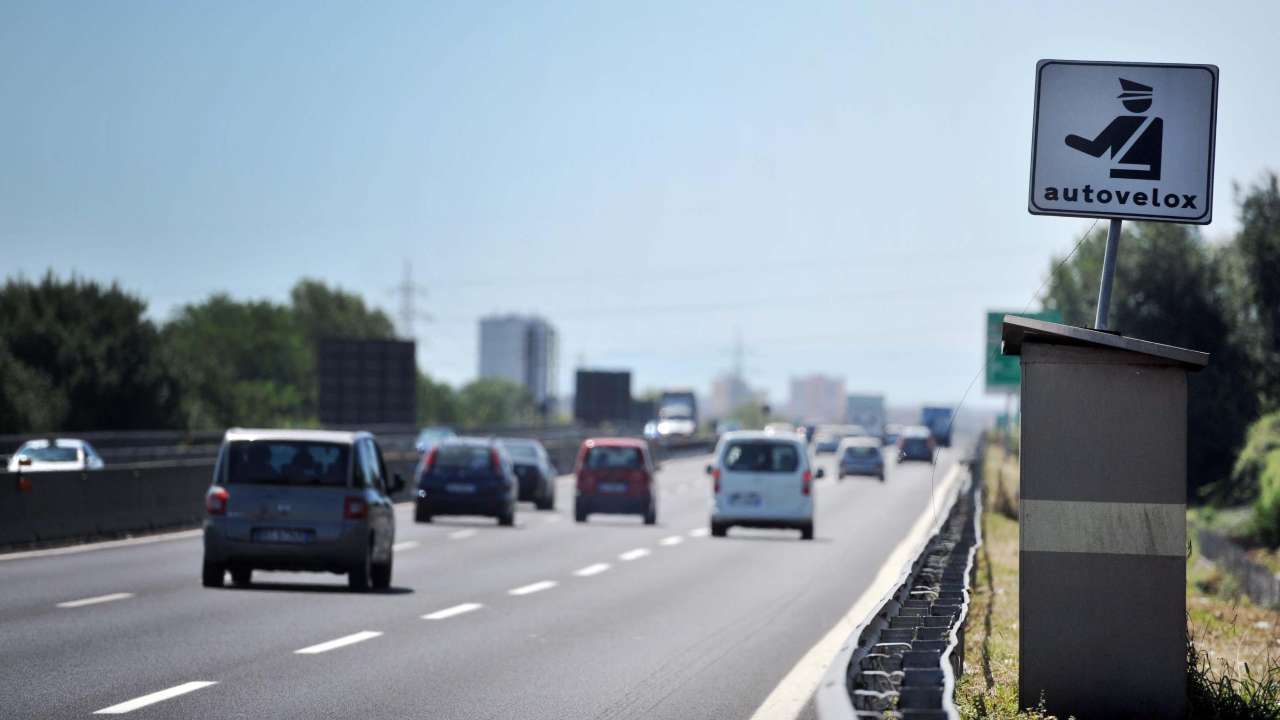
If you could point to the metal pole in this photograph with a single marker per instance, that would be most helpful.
(1108, 273)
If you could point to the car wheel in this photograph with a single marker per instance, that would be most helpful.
(358, 576)
(881, 477)
(579, 513)
(381, 575)
(718, 530)
(508, 518)
(212, 574)
(806, 532)
(651, 516)
(421, 515)
(241, 576)
(546, 502)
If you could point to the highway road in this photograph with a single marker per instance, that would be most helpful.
(550, 619)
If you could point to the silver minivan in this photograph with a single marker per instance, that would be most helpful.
(307, 500)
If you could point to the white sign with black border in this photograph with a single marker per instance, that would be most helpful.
(1124, 140)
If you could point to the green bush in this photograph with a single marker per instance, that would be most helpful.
(1256, 477)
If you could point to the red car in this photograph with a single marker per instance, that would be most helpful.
(615, 476)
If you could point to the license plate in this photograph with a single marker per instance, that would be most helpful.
(613, 487)
(748, 499)
(282, 535)
(460, 488)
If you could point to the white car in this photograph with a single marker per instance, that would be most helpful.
(762, 480)
(54, 455)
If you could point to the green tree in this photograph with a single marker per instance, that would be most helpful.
(437, 402)
(241, 363)
(78, 355)
(1169, 289)
(329, 312)
(493, 403)
(1253, 277)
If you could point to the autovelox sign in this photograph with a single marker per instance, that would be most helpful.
(1124, 140)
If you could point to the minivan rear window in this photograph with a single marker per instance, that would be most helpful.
(286, 462)
(467, 457)
(603, 457)
(761, 456)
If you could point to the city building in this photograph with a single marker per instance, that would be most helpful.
(524, 349)
(728, 392)
(817, 399)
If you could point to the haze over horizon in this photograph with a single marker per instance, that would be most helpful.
(650, 179)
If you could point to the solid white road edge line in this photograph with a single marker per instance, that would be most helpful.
(155, 697)
(104, 545)
(533, 587)
(452, 611)
(673, 540)
(94, 600)
(406, 545)
(461, 534)
(340, 642)
(590, 570)
(634, 554)
(788, 699)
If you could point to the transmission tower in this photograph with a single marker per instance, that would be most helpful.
(408, 292)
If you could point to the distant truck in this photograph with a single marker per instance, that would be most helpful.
(867, 411)
(938, 420)
(677, 414)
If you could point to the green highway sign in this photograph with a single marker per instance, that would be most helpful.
(1004, 374)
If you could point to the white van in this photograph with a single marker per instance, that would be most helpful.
(762, 480)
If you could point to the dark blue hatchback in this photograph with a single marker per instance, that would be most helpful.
(467, 476)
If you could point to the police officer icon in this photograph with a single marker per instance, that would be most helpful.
(1136, 138)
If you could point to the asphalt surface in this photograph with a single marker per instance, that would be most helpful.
(611, 619)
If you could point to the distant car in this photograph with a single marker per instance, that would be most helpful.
(300, 500)
(725, 426)
(826, 439)
(651, 430)
(915, 443)
(615, 476)
(534, 471)
(891, 433)
(51, 455)
(430, 437)
(860, 456)
(780, 428)
(762, 480)
(467, 476)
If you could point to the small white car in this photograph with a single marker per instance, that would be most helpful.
(762, 480)
(55, 455)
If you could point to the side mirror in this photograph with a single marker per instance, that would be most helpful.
(397, 484)
(821, 473)
(711, 469)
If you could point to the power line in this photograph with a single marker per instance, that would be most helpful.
(408, 291)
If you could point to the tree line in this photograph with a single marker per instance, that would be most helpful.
(80, 355)
(1174, 287)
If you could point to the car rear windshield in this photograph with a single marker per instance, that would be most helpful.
(521, 452)
(603, 457)
(915, 442)
(466, 457)
(860, 452)
(51, 454)
(757, 456)
(287, 462)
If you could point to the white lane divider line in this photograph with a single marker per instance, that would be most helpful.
(634, 554)
(155, 697)
(95, 600)
(406, 545)
(590, 570)
(698, 532)
(452, 611)
(533, 587)
(673, 540)
(340, 642)
(461, 534)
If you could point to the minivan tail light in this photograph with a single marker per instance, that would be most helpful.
(354, 508)
(431, 459)
(806, 483)
(715, 476)
(495, 464)
(215, 502)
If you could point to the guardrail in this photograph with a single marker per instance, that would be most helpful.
(902, 661)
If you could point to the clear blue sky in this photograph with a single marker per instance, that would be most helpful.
(844, 183)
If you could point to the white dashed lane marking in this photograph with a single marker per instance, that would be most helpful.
(340, 642)
(95, 600)
(673, 540)
(155, 697)
(452, 611)
(634, 554)
(532, 588)
(406, 545)
(461, 534)
(698, 532)
(590, 570)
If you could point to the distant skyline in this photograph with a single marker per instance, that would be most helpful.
(843, 184)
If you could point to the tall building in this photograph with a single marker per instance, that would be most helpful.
(524, 350)
(728, 392)
(817, 399)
